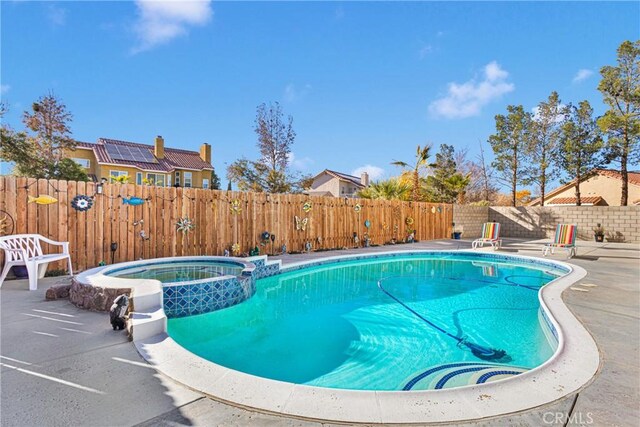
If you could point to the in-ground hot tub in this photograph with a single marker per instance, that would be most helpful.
(186, 285)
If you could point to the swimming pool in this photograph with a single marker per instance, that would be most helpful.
(403, 322)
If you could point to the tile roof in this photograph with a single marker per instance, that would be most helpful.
(634, 176)
(353, 179)
(590, 200)
(173, 158)
(634, 179)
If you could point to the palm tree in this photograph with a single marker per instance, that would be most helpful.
(457, 184)
(391, 189)
(422, 155)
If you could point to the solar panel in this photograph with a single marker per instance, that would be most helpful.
(133, 154)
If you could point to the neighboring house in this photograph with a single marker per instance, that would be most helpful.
(336, 184)
(153, 164)
(601, 187)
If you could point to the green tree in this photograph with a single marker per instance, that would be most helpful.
(545, 130)
(509, 145)
(390, 189)
(620, 87)
(215, 180)
(269, 174)
(446, 184)
(580, 146)
(420, 163)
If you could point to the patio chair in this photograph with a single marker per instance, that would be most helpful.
(565, 238)
(490, 235)
(25, 249)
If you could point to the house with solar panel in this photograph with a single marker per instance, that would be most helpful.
(145, 164)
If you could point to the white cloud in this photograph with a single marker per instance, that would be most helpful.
(467, 99)
(160, 21)
(581, 75)
(4, 89)
(301, 164)
(293, 94)
(56, 15)
(374, 172)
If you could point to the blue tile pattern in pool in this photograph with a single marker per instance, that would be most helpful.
(263, 269)
(204, 297)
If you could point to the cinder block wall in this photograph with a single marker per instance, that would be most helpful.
(470, 219)
(538, 222)
(622, 222)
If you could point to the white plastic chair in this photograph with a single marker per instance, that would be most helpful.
(25, 249)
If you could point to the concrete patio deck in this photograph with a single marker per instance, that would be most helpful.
(64, 366)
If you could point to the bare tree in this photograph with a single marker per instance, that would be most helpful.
(275, 136)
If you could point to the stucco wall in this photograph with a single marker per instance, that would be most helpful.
(328, 183)
(600, 185)
(620, 222)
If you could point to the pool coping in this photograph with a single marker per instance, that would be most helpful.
(572, 366)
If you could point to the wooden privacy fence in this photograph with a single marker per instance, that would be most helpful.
(331, 222)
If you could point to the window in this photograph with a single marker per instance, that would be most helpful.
(139, 178)
(169, 180)
(156, 179)
(115, 174)
(177, 179)
(85, 163)
(187, 179)
(205, 183)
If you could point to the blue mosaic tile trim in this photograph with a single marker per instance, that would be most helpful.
(428, 372)
(484, 377)
(204, 297)
(478, 256)
(550, 325)
(263, 270)
(450, 375)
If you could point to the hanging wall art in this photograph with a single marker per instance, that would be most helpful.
(235, 207)
(82, 203)
(301, 223)
(42, 200)
(7, 223)
(185, 225)
(307, 207)
(132, 201)
(235, 248)
(357, 208)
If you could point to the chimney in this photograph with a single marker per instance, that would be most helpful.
(205, 152)
(364, 179)
(158, 150)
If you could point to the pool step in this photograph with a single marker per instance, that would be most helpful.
(145, 325)
(149, 318)
(459, 374)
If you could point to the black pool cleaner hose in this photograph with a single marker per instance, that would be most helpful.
(481, 352)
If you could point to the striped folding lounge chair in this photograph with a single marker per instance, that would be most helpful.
(490, 235)
(565, 238)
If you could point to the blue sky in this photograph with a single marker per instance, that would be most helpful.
(365, 82)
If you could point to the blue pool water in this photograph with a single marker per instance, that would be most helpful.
(333, 326)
